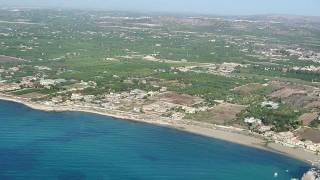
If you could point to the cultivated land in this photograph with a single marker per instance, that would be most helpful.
(227, 77)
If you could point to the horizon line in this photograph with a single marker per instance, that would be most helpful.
(158, 12)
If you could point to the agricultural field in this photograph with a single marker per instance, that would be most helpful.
(219, 70)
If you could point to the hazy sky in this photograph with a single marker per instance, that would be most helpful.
(225, 7)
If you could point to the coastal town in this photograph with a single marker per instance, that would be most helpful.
(164, 106)
(144, 68)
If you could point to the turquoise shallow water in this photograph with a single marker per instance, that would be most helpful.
(72, 145)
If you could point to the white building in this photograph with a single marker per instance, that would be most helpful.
(252, 120)
(47, 82)
(76, 97)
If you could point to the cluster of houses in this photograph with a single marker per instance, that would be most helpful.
(311, 68)
(289, 139)
(219, 69)
(270, 104)
(304, 54)
(134, 101)
(8, 73)
(282, 52)
(9, 86)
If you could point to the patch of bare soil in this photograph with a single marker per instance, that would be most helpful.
(309, 134)
(307, 118)
(313, 105)
(287, 91)
(8, 59)
(182, 99)
(32, 95)
(248, 88)
(299, 96)
(299, 100)
(221, 114)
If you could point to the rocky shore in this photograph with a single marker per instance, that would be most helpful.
(312, 174)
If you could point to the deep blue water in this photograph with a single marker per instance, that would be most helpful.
(72, 145)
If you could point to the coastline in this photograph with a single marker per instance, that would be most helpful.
(229, 134)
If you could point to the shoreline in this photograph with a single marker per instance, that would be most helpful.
(228, 134)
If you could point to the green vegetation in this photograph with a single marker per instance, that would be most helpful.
(110, 51)
(210, 87)
(282, 119)
(281, 72)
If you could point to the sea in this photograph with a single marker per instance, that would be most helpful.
(77, 146)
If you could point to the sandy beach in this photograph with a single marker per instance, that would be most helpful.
(230, 134)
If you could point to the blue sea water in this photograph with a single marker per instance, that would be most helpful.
(75, 146)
